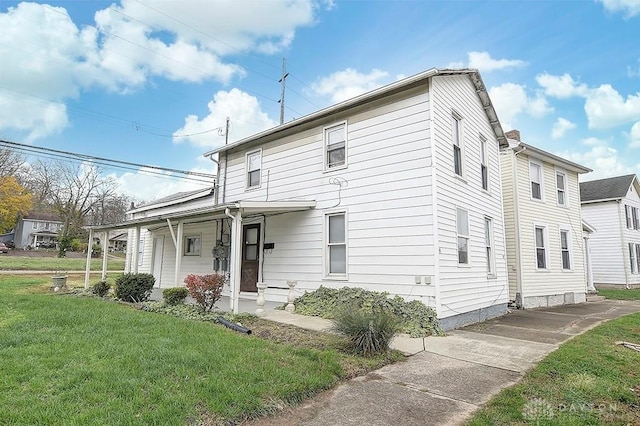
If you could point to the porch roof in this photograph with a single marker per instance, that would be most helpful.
(246, 208)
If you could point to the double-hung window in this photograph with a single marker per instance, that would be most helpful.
(336, 244)
(636, 218)
(488, 242)
(456, 133)
(638, 257)
(535, 175)
(192, 245)
(462, 224)
(541, 247)
(484, 165)
(140, 250)
(253, 167)
(565, 247)
(561, 185)
(633, 257)
(628, 216)
(335, 144)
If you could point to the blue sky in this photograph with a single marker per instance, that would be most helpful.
(150, 81)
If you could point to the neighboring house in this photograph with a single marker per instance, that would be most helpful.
(543, 225)
(118, 241)
(396, 190)
(37, 229)
(612, 206)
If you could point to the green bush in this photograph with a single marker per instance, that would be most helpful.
(174, 296)
(101, 288)
(370, 333)
(134, 287)
(416, 318)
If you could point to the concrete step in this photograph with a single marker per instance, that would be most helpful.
(595, 298)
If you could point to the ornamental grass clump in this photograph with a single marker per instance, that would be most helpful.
(370, 333)
(205, 289)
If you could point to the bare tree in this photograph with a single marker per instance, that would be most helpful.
(11, 162)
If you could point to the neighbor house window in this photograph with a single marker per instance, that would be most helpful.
(633, 258)
(462, 221)
(488, 242)
(35, 225)
(541, 247)
(638, 257)
(335, 142)
(535, 175)
(627, 212)
(254, 164)
(561, 185)
(636, 218)
(192, 246)
(336, 244)
(456, 133)
(484, 168)
(565, 247)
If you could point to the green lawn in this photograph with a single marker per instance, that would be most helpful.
(23, 263)
(620, 294)
(90, 361)
(588, 381)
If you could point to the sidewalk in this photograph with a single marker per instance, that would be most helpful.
(454, 375)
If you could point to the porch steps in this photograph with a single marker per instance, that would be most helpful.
(595, 298)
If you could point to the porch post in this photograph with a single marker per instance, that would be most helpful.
(236, 245)
(587, 252)
(136, 249)
(179, 243)
(105, 247)
(87, 268)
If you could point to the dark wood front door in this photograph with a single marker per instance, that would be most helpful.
(250, 257)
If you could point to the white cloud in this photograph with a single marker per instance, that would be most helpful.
(485, 63)
(346, 84)
(634, 136)
(606, 108)
(511, 100)
(561, 87)
(560, 127)
(629, 8)
(246, 119)
(145, 186)
(602, 158)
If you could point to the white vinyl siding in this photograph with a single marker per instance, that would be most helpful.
(335, 142)
(192, 245)
(535, 176)
(456, 134)
(336, 249)
(253, 166)
(542, 249)
(565, 249)
(561, 188)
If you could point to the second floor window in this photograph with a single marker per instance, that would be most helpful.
(636, 217)
(456, 133)
(484, 168)
(254, 164)
(335, 146)
(535, 174)
(561, 184)
(628, 216)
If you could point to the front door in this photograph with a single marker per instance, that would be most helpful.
(250, 257)
(158, 252)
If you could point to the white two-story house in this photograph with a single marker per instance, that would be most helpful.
(396, 190)
(612, 206)
(544, 231)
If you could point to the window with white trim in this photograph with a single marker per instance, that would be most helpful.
(638, 257)
(488, 242)
(336, 256)
(565, 248)
(541, 247)
(484, 164)
(627, 213)
(633, 258)
(34, 225)
(456, 133)
(253, 167)
(636, 217)
(462, 226)
(561, 186)
(192, 245)
(140, 250)
(535, 175)
(335, 145)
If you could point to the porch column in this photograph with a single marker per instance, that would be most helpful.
(136, 250)
(236, 261)
(87, 268)
(587, 253)
(105, 248)
(179, 243)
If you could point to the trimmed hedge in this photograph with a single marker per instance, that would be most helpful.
(134, 287)
(174, 296)
(101, 288)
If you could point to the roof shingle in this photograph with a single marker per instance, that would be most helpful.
(606, 189)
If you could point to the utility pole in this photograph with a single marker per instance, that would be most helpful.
(285, 74)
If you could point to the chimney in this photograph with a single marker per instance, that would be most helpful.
(513, 134)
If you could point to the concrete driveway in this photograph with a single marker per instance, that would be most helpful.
(448, 378)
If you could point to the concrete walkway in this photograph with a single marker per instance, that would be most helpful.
(444, 383)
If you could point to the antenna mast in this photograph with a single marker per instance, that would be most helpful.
(285, 74)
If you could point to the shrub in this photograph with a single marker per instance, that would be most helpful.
(134, 287)
(416, 318)
(101, 288)
(175, 296)
(205, 289)
(371, 332)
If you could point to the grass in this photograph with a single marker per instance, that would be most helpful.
(90, 361)
(587, 381)
(620, 294)
(23, 263)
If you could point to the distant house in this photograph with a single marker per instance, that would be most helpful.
(395, 190)
(612, 206)
(118, 241)
(544, 229)
(37, 229)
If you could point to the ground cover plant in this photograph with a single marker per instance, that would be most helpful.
(589, 380)
(23, 263)
(89, 360)
(415, 317)
(620, 294)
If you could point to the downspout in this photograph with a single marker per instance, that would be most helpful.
(516, 203)
(624, 249)
(236, 237)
